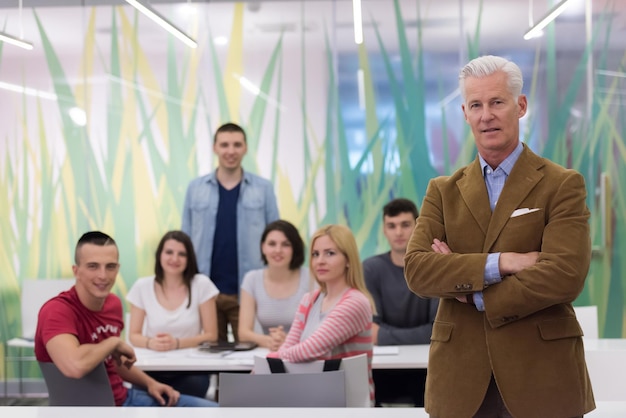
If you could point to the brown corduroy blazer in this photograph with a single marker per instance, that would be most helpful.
(528, 336)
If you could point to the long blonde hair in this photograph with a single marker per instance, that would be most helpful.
(345, 242)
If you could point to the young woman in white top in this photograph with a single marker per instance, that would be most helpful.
(271, 295)
(174, 309)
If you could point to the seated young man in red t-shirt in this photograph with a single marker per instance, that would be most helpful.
(80, 328)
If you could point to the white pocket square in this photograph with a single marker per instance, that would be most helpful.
(523, 211)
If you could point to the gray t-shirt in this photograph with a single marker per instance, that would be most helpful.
(271, 312)
(404, 317)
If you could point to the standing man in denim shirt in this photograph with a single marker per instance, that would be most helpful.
(228, 208)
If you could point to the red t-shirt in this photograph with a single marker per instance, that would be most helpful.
(65, 314)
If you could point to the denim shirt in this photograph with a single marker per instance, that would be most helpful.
(256, 208)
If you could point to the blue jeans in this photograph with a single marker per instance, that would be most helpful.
(188, 383)
(139, 397)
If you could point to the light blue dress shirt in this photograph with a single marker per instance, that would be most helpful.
(494, 180)
(256, 208)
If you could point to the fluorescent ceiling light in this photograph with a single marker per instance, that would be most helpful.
(220, 40)
(610, 73)
(360, 79)
(450, 97)
(256, 90)
(78, 116)
(546, 20)
(15, 41)
(27, 90)
(358, 21)
(164, 23)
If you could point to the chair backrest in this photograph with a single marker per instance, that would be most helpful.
(36, 292)
(588, 319)
(94, 389)
(324, 389)
(357, 377)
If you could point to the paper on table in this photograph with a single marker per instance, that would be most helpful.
(386, 350)
(146, 353)
(250, 354)
(194, 352)
(228, 355)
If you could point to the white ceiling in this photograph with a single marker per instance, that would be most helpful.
(502, 22)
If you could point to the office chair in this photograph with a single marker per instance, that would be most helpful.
(348, 386)
(324, 389)
(34, 293)
(94, 389)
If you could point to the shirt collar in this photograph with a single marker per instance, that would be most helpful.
(212, 176)
(508, 163)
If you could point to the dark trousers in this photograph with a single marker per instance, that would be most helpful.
(188, 383)
(399, 386)
(493, 405)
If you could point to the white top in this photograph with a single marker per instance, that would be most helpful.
(272, 312)
(182, 322)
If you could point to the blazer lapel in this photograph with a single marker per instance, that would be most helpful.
(523, 178)
(474, 193)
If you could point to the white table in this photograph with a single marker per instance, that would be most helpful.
(597, 352)
(104, 412)
(190, 359)
(606, 362)
(603, 410)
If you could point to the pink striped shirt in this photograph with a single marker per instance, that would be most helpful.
(346, 331)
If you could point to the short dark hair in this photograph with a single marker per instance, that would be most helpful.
(292, 235)
(398, 206)
(230, 127)
(192, 264)
(95, 238)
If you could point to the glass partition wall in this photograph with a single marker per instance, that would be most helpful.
(109, 116)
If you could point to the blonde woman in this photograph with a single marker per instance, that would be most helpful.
(270, 296)
(174, 309)
(335, 320)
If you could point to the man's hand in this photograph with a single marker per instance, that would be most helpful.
(441, 247)
(124, 355)
(511, 263)
(164, 394)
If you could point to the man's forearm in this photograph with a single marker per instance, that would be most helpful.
(76, 360)
(134, 375)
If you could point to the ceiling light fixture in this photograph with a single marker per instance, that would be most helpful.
(17, 41)
(256, 90)
(360, 80)
(535, 31)
(531, 15)
(27, 90)
(164, 23)
(609, 73)
(358, 21)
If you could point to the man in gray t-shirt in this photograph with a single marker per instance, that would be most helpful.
(401, 316)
